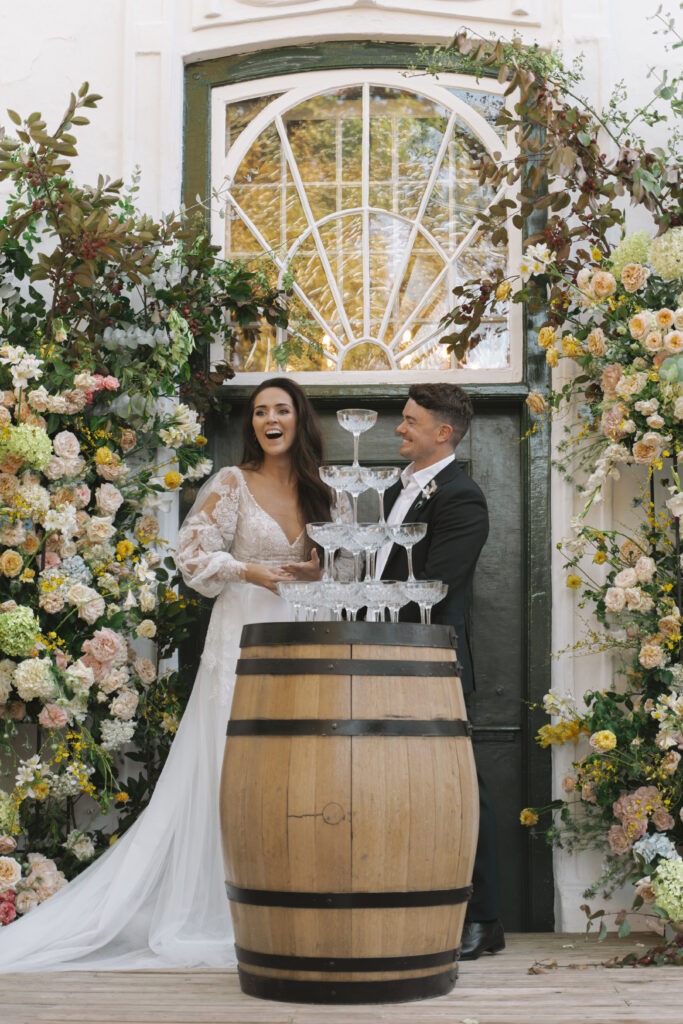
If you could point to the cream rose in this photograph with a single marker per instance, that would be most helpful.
(147, 628)
(145, 670)
(653, 342)
(10, 873)
(673, 341)
(639, 325)
(66, 444)
(664, 318)
(634, 277)
(615, 600)
(603, 284)
(626, 578)
(108, 499)
(99, 529)
(651, 656)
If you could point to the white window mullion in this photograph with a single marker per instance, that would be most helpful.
(365, 202)
(282, 267)
(416, 224)
(306, 206)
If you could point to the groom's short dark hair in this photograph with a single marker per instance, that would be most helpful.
(447, 402)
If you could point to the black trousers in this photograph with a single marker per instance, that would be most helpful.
(485, 904)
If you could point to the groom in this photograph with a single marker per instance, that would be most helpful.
(434, 490)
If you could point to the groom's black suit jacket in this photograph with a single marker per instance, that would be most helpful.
(457, 527)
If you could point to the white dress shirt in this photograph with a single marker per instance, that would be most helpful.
(413, 483)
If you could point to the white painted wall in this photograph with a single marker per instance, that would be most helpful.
(133, 53)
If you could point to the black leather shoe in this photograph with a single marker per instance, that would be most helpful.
(481, 937)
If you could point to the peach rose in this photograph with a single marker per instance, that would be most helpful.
(673, 341)
(603, 284)
(11, 563)
(611, 376)
(653, 342)
(651, 656)
(639, 325)
(634, 277)
(664, 318)
(648, 448)
(596, 342)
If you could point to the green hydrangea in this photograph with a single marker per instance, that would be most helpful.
(28, 443)
(18, 632)
(666, 255)
(634, 248)
(667, 885)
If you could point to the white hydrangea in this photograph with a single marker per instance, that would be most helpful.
(33, 678)
(115, 734)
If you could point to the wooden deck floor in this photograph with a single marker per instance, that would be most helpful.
(492, 990)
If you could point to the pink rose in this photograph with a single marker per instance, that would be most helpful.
(8, 844)
(8, 911)
(618, 841)
(53, 717)
(51, 560)
(106, 645)
(82, 495)
(662, 820)
(66, 444)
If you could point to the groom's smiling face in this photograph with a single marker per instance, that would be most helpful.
(424, 438)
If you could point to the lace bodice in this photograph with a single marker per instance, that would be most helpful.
(225, 529)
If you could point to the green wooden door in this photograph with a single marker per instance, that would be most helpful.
(502, 617)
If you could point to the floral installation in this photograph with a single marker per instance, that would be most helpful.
(102, 312)
(605, 307)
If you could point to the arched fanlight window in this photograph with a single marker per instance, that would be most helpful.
(363, 186)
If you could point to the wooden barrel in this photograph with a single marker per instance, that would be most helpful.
(349, 811)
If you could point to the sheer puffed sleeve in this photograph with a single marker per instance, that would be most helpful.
(203, 552)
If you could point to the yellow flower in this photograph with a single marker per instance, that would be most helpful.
(528, 817)
(40, 790)
(121, 798)
(200, 440)
(173, 479)
(596, 254)
(603, 740)
(546, 336)
(11, 563)
(552, 356)
(103, 456)
(558, 734)
(571, 346)
(124, 548)
(600, 557)
(503, 290)
(573, 581)
(27, 575)
(536, 402)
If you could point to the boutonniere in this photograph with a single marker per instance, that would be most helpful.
(426, 493)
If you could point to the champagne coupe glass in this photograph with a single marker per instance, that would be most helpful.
(357, 421)
(354, 485)
(334, 477)
(377, 597)
(426, 593)
(407, 535)
(294, 593)
(354, 598)
(395, 598)
(372, 536)
(379, 478)
(330, 537)
(355, 544)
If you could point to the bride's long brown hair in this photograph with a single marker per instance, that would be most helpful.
(306, 453)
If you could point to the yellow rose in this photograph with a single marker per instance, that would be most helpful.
(528, 817)
(173, 479)
(11, 563)
(503, 290)
(103, 456)
(571, 346)
(603, 740)
(573, 581)
(125, 548)
(546, 336)
(552, 356)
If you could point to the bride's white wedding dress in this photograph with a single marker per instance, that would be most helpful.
(157, 898)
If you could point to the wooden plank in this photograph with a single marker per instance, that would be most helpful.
(492, 990)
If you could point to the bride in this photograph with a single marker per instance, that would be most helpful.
(157, 898)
